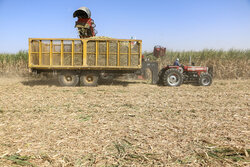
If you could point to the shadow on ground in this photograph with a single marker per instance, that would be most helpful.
(41, 82)
(53, 82)
(116, 82)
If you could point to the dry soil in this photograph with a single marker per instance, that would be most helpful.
(123, 123)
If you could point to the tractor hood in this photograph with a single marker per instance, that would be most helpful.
(82, 12)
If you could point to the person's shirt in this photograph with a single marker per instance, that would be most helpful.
(176, 63)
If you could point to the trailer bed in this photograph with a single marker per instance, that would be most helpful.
(84, 54)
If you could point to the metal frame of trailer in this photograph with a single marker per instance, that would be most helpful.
(84, 52)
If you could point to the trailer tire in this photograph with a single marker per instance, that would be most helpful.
(68, 79)
(107, 76)
(89, 79)
(205, 79)
(172, 77)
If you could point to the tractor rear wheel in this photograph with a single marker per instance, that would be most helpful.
(68, 79)
(89, 79)
(172, 77)
(205, 79)
(160, 76)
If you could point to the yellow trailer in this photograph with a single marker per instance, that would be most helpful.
(84, 60)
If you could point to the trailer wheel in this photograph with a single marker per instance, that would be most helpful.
(172, 77)
(205, 79)
(106, 76)
(68, 79)
(89, 79)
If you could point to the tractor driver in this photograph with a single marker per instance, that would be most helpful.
(176, 63)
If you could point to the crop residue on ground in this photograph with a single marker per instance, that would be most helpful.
(123, 123)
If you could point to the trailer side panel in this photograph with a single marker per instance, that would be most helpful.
(91, 54)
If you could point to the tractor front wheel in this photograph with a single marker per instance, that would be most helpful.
(172, 77)
(205, 79)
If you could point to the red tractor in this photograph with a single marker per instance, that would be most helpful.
(176, 75)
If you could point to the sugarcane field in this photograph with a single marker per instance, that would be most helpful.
(109, 101)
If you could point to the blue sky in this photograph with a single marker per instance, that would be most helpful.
(175, 24)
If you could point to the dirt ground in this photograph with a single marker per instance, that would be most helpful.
(124, 123)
